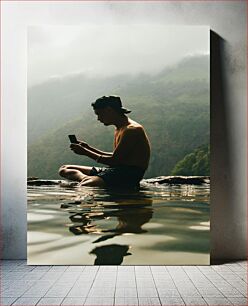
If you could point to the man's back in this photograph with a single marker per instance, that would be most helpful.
(133, 145)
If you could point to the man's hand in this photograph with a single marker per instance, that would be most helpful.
(78, 149)
(83, 144)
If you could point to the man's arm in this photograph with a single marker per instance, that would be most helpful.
(121, 151)
(94, 150)
(124, 147)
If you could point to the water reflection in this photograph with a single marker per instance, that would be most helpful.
(130, 213)
(154, 220)
(90, 194)
(129, 220)
(188, 228)
(112, 254)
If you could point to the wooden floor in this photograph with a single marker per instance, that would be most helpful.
(123, 285)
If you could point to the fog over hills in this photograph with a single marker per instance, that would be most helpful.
(56, 101)
(173, 105)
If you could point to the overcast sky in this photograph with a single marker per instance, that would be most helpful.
(105, 50)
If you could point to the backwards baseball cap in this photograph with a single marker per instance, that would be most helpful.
(112, 101)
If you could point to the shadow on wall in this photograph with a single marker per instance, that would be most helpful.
(223, 225)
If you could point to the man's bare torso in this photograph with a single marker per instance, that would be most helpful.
(132, 145)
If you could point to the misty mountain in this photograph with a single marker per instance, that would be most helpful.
(173, 106)
(52, 103)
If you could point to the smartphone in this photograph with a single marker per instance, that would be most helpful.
(73, 139)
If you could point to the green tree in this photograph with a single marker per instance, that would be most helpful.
(195, 163)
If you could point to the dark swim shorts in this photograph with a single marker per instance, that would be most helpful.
(120, 176)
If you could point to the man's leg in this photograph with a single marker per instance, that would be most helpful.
(93, 181)
(84, 169)
(81, 174)
(72, 174)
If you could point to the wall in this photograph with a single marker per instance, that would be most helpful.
(229, 96)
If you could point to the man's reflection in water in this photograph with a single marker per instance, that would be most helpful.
(130, 218)
(86, 227)
(131, 215)
(129, 221)
(112, 254)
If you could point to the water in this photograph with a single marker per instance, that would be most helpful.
(157, 225)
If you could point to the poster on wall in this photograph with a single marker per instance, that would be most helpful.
(118, 145)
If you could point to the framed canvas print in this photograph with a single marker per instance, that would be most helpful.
(118, 145)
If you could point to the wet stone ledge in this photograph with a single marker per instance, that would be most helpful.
(170, 180)
(40, 182)
(179, 180)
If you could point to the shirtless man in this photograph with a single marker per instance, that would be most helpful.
(130, 158)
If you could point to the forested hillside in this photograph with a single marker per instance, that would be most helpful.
(173, 106)
(195, 163)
